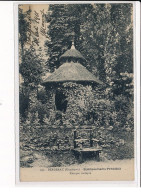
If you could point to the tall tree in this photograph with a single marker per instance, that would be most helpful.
(102, 23)
(24, 24)
(64, 21)
(31, 69)
(122, 20)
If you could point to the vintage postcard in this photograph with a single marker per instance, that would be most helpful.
(76, 92)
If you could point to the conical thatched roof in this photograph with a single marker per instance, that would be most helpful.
(72, 53)
(71, 72)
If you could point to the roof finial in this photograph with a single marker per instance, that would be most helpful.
(73, 38)
(72, 46)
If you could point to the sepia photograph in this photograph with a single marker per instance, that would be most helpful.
(76, 92)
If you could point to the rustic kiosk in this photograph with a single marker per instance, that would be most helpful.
(72, 69)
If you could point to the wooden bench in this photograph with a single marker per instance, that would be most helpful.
(82, 152)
